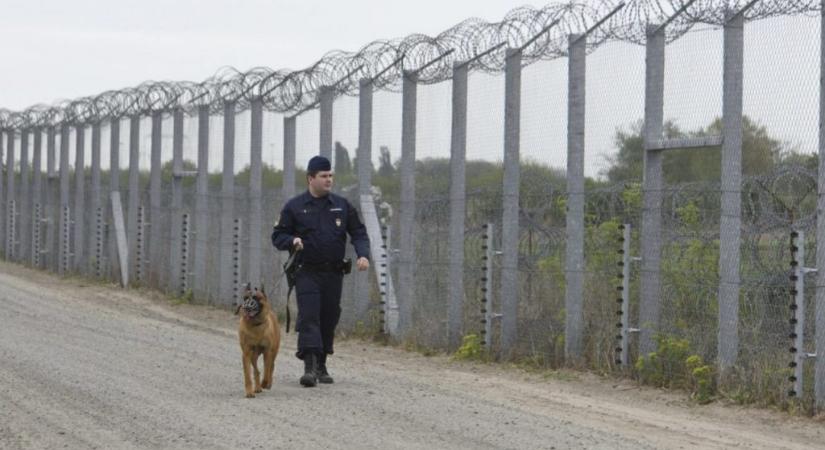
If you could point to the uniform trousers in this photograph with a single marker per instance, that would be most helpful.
(318, 296)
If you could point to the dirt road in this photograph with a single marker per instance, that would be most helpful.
(90, 366)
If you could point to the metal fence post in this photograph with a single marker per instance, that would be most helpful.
(11, 231)
(2, 198)
(154, 264)
(623, 298)
(289, 181)
(730, 227)
(255, 193)
(798, 354)
(288, 187)
(406, 260)
(63, 226)
(458, 205)
(140, 245)
(651, 244)
(114, 186)
(364, 167)
(510, 202)
(819, 377)
(201, 232)
(36, 245)
(51, 214)
(134, 194)
(574, 273)
(390, 310)
(383, 271)
(183, 274)
(96, 245)
(99, 246)
(227, 203)
(11, 196)
(327, 97)
(24, 236)
(65, 248)
(175, 212)
(119, 232)
(487, 290)
(79, 231)
(236, 261)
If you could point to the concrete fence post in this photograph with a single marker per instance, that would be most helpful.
(510, 202)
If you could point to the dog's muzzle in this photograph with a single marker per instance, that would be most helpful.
(251, 307)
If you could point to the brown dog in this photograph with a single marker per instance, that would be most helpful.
(259, 334)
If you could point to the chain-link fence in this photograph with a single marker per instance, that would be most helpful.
(620, 186)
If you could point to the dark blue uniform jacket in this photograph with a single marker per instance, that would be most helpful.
(323, 225)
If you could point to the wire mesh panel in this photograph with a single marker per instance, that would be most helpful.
(344, 159)
(307, 130)
(780, 142)
(120, 184)
(244, 201)
(386, 146)
(613, 197)
(690, 205)
(483, 173)
(431, 214)
(213, 232)
(344, 138)
(542, 196)
(272, 200)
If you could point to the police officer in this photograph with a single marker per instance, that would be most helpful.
(316, 224)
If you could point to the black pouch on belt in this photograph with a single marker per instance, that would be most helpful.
(346, 266)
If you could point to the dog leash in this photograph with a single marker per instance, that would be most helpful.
(289, 273)
(290, 268)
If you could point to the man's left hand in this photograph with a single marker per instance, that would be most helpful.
(362, 264)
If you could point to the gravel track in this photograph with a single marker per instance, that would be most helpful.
(93, 366)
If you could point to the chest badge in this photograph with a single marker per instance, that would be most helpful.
(337, 221)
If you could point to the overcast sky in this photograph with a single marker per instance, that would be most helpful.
(57, 49)
(68, 49)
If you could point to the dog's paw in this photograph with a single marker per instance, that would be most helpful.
(250, 395)
(267, 385)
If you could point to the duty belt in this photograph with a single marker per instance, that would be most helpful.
(337, 266)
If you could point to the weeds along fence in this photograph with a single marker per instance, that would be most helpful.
(614, 185)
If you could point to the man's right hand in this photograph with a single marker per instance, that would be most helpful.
(297, 244)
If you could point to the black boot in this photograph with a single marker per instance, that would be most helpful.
(323, 375)
(310, 377)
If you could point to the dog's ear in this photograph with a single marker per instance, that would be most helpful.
(263, 290)
(248, 286)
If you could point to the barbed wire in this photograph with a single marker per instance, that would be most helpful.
(385, 61)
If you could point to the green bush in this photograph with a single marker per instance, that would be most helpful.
(471, 349)
(672, 366)
(702, 379)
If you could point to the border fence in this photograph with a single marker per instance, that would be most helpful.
(614, 185)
